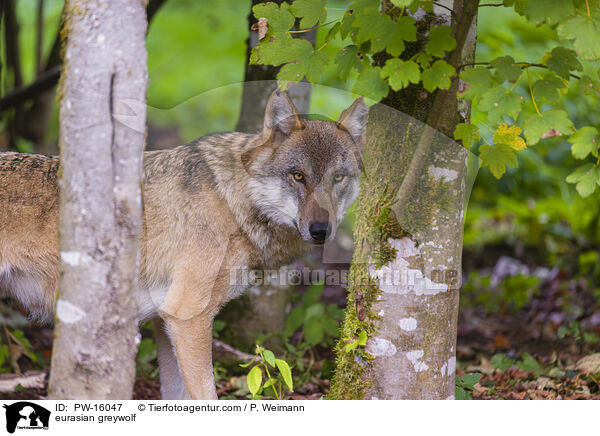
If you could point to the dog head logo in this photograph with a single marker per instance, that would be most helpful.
(26, 415)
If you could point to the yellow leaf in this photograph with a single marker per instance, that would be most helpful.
(509, 135)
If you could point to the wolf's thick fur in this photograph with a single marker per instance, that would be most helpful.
(213, 207)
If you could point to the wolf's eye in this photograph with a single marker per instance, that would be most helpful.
(338, 178)
(298, 176)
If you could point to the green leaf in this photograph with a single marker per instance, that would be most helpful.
(585, 141)
(316, 309)
(269, 383)
(562, 61)
(440, 41)
(587, 178)
(269, 357)
(461, 394)
(383, 33)
(438, 76)
(549, 11)
(291, 73)
(279, 18)
(313, 293)
(588, 86)
(254, 380)
(562, 332)
(397, 32)
(499, 101)
(548, 89)
(478, 80)
(506, 70)
(470, 380)
(313, 330)
(554, 122)
(497, 158)
(371, 85)
(351, 346)
(333, 31)
(280, 50)
(362, 338)
(519, 5)
(311, 12)
(402, 3)
(347, 27)
(467, 133)
(347, 60)
(400, 73)
(424, 59)
(294, 320)
(585, 33)
(311, 63)
(501, 362)
(371, 25)
(330, 326)
(315, 65)
(286, 373)
(528, 363)
(591, 338)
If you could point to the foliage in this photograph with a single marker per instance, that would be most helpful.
(512, 95)
(575, 331)
(146, 361)
(15, 347)
(465, 385)
(258, 384)
(510, 295)
(319, 322)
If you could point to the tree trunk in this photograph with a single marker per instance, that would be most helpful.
(264, 309)
(405, 275)
(102, 120)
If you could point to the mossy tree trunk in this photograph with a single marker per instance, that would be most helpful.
(102, 126)
(405, 275)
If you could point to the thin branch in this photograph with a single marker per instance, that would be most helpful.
(39, 40)
(11, 38)
(49, 77)
(17, 96)
(447, 8)
(495, 5)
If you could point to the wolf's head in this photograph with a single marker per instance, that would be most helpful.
(305, 174)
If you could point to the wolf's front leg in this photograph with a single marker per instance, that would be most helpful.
(171, 382)
(192, 339)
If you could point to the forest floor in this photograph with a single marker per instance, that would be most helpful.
(535, 352)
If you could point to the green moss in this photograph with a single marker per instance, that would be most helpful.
(376, 222)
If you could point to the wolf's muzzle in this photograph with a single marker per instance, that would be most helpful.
(319, 231)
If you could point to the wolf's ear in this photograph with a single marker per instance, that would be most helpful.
(281, 114)
(354, 120)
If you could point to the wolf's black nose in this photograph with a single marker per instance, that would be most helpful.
(319, 231)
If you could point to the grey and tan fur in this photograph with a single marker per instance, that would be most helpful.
(212, 207)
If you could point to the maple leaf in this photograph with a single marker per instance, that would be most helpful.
(400, 73)
(509, 135)
(497, 158)
(585, 142)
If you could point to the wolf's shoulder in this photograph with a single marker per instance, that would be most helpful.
(30, 168)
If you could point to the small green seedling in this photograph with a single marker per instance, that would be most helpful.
(258, 384)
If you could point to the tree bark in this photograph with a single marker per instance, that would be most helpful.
(405, 274)
(102, 121)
